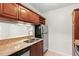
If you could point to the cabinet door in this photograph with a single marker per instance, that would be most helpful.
(37, 49)
(40, 48)
(34, 51)
(42, 21)
(76, 25)
(23, 14)
(34, 18)
(10, 10)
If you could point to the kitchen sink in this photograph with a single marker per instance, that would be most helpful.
(31, 40)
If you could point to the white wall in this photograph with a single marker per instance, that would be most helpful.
(60, 29)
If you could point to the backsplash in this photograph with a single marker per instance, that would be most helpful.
(10, 29)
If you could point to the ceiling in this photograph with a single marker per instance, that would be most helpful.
(44, 7)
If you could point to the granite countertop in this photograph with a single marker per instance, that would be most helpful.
(9, 46)
(12, 41)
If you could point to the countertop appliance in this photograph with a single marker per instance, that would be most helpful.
(41, 31)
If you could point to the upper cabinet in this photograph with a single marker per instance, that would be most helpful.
(34, 18)
(9, 10)
(76, 24)
(19, 12)
(23, 14)
(28, 16)
(42, 20)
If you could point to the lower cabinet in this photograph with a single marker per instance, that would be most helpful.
(37, 49)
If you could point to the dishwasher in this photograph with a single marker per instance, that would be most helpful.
(23, 52)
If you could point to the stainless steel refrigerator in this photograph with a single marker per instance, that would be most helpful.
(44, 35)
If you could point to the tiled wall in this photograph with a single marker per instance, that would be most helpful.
(8, 29)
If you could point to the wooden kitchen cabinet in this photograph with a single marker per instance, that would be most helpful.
(34, 18)
(37, 49)
(23, 14)
(28, 16)
(18, 12)
(42, 20)
(9, 10)
(76, 24)
(37, 19)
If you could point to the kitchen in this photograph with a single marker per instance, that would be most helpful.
(20, 31)
(39, 29)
